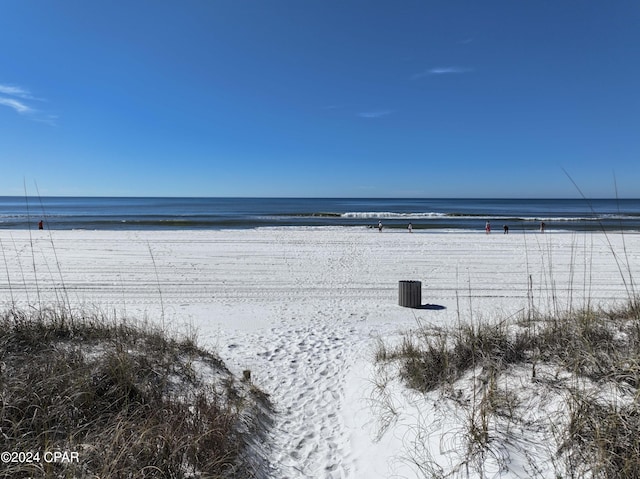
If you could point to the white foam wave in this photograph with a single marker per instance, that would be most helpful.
(390, 215)
(393, 215)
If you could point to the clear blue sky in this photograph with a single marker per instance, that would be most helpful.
(392, 98)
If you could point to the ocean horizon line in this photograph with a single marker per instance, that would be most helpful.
(408, 198)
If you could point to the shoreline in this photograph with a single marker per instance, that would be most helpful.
(393, 227)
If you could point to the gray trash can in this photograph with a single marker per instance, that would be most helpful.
(410, 294)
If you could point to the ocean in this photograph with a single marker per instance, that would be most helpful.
(96, 213)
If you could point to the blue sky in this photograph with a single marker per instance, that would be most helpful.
(394, 98)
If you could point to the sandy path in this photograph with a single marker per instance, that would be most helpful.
(303, 308)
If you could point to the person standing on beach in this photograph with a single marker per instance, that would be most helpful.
(380, 226)
(542, 226)
(40, 225)
(487, 227)
(506, 229)
(410, 228)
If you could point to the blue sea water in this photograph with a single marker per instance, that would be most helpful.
(223, 213)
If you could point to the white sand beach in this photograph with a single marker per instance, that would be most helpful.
(304, 308)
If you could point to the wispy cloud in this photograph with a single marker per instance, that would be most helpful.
(15, 91)
(446, 70)
(374, 114)
(48, 119)
(15, 104)
(441, 71)
(332, 107)
(18, 99)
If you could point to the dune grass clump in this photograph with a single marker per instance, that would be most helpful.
(598, 344)
(602, 440)
(432, 357)
(575, 356)
(126, 398)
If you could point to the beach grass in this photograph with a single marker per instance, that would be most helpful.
(590, 358)
(120, 399)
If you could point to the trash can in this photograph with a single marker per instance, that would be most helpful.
(410, 294)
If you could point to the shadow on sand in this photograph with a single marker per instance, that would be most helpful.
(436, 307)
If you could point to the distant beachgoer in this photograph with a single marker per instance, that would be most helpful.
(542, 226)
(410, 228)
(487, 227)
(40, 225)
(506, 229)
(380, 226)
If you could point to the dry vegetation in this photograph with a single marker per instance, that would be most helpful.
(577, 356)
(131, 401)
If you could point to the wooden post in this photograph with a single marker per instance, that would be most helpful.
(410, 294)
